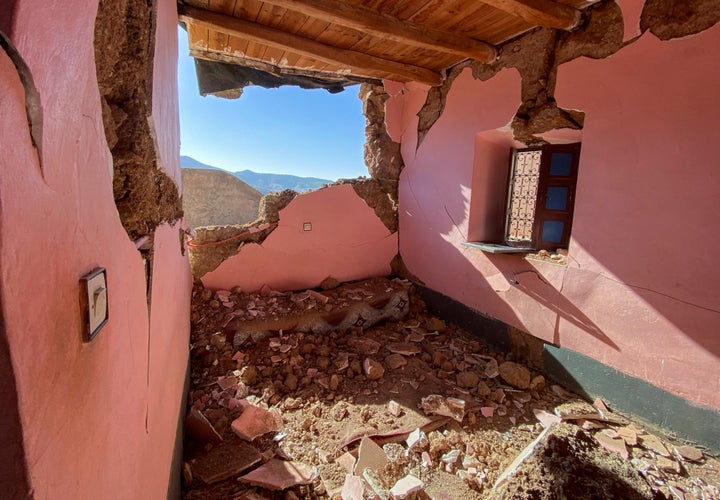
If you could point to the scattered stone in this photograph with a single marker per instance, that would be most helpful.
(426, 460)
(395, 361)
(404, 348)
(353, 488)
(537, 383)
(291, 382)
(653, 443)
(515, 375)
(322, 298)
(364, 346)
(255, 422)
(370, 455)
(329, 283)
(279, 475)
(487, 411)
(491, 368)
(629, 435)
(468, 380)
(689, 453)
(451, 457)
(394, 408)
(416, 441)
(669, 465)
(373, 369)
(198, 427)
(614, 444)
(224, 461)
(435, 404)
(484, 390)
(334, 382)
(406, 487)
(435, 324)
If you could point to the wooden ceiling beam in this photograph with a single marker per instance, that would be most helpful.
(545, 13)
(358, 62)
(378, 24)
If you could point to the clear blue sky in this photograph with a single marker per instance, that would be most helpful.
(310, 133)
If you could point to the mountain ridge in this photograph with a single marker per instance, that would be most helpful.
(265, 183)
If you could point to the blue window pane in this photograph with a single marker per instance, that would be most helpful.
(556, 198)
(561, 164)
(552, 231)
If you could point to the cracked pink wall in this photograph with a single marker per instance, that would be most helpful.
(641, 290)
(99, 419)
(348, 242)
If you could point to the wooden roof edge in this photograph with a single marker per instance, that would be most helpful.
(359, 62)
(375, 23)
(544, 13)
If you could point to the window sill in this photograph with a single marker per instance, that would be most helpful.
(496, 248)
(558, 258)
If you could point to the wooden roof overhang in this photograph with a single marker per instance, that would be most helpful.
(356, 40)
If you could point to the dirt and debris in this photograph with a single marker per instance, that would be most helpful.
(144, 194)
(446, 417)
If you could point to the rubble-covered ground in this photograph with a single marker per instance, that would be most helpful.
(356, 392)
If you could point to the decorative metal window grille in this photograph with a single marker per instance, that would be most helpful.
(524, 180)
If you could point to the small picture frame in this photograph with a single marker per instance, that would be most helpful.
(94, 302)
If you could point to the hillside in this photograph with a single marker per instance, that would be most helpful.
(215, 197)
(265, 183)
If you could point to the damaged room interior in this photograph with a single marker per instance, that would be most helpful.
(519, 299)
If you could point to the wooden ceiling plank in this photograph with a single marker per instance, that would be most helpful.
(545, 13)
(369, 21)
(258, 33)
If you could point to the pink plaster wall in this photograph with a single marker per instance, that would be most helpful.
(641, 291)
(98, 418)
(347, 242)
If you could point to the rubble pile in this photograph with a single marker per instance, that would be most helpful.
(355, 392)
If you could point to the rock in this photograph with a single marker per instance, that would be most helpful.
(198, 427)
(224, 461)
(491, 369)
(291, 382)
(406, 487)
(483, 389)
(364, 346)
(394, 408)
(669, 465)
(279, 475)
(373, 370)
(450, 457)
(435, 404)
(255, 422)
(653, 443)
(395, 361)
(515, 375)
(537, 383)
(334, 382)
(248, 375)
(404, 348)
(416, 441)
(426, 460)
(689, 453)
(629, 436)
(435, 324)
(467, 380)
(614, 444)
(353, 488)
(487, 411)
(329, 283)
(370, 455)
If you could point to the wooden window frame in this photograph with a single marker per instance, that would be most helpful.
(541, 213)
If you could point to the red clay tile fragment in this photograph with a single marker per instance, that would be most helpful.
(280, 475)
(255, 422)
(197, 426)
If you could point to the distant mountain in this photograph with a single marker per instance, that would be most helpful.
(265, 183)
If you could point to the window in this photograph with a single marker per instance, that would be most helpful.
(540, 199)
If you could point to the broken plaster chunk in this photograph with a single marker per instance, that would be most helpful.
(629, 435)
(370, 456)
(545, 418)
(353, 488)
(394, 408)
(451, 457)
(255, 422)
(347, 462)
(224, 461)
(515, 375)
(406, 487)
(669, 465)
(491, 368)
(197, 426)
(417, 440)
(487, 411)
(278, 475)
(467, 379)
(404, 348)
(614, 444)
(653, 443)
(395, 361)
(320, 297)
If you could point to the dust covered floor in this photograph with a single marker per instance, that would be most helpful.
(356, 392)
